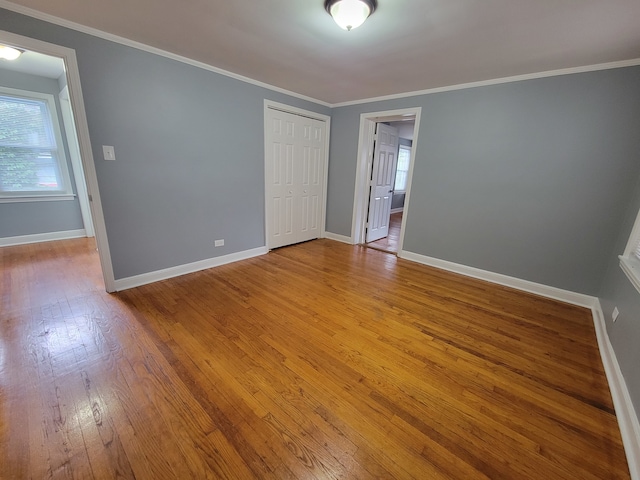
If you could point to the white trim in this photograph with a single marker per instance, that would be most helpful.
(500, 279)
(149, 49)
(634, 237)
(631, 268)
(163, 53)
(88, 164)
(151, 277)
(363, 169)
(84, 142)
(397, 210)
(629, 262)
(625, 412)
(38, 198)
(269, 104)
(283, 107)
(410, 149)
(338, 238)
(41, 237)
(76, 160)
(366, 137)
(494, 81)
(60, 154)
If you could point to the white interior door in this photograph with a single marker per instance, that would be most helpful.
(294, 178)
(385, 160)
(312, 145)
(280, 181)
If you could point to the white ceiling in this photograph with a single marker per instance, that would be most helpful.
(35, 64)
(406, 45)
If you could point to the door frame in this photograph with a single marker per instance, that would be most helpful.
(269, 104)
(76, 99)
(76, 160)
(366, 138)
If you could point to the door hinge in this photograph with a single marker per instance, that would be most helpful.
(90, 198)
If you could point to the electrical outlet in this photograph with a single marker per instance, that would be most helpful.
(219, 243)
(615, 313)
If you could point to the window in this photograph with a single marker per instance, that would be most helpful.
(32, 161)
(404, 157)
(630, 260)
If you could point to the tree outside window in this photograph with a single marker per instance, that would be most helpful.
(402, 170)
(31, 159)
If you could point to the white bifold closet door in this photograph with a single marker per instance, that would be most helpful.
(294, 178)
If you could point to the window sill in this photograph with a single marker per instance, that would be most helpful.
(37, 198)
(631, 268)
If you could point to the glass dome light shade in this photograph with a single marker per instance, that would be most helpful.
(350, 14)
(9, 53)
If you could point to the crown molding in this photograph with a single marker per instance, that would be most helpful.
(157, 51)
(496, 81)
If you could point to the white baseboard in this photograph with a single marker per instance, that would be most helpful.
(626, 414)
(397, 210)
(517, 283)
(146, 278)
(42, 237)
(338, 238)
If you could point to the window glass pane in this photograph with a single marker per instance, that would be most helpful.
(28, 151)
(404, 156)
(25, 122)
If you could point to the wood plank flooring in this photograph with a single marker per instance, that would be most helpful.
(316, 361)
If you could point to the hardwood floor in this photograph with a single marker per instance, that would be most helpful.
(316, 361)
(390, 242)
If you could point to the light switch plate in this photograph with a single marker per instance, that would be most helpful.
(109, 152)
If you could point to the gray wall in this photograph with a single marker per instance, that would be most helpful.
(29, 218)
(189, 146)
(535, 179)
(397, 201)
(538, 179)
(529, 179)
(617, 291)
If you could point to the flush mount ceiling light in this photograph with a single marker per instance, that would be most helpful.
(9, 53)
(350, 14)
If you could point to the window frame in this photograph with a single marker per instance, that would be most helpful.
(404, 190)
(66, 192)
(629, 262)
